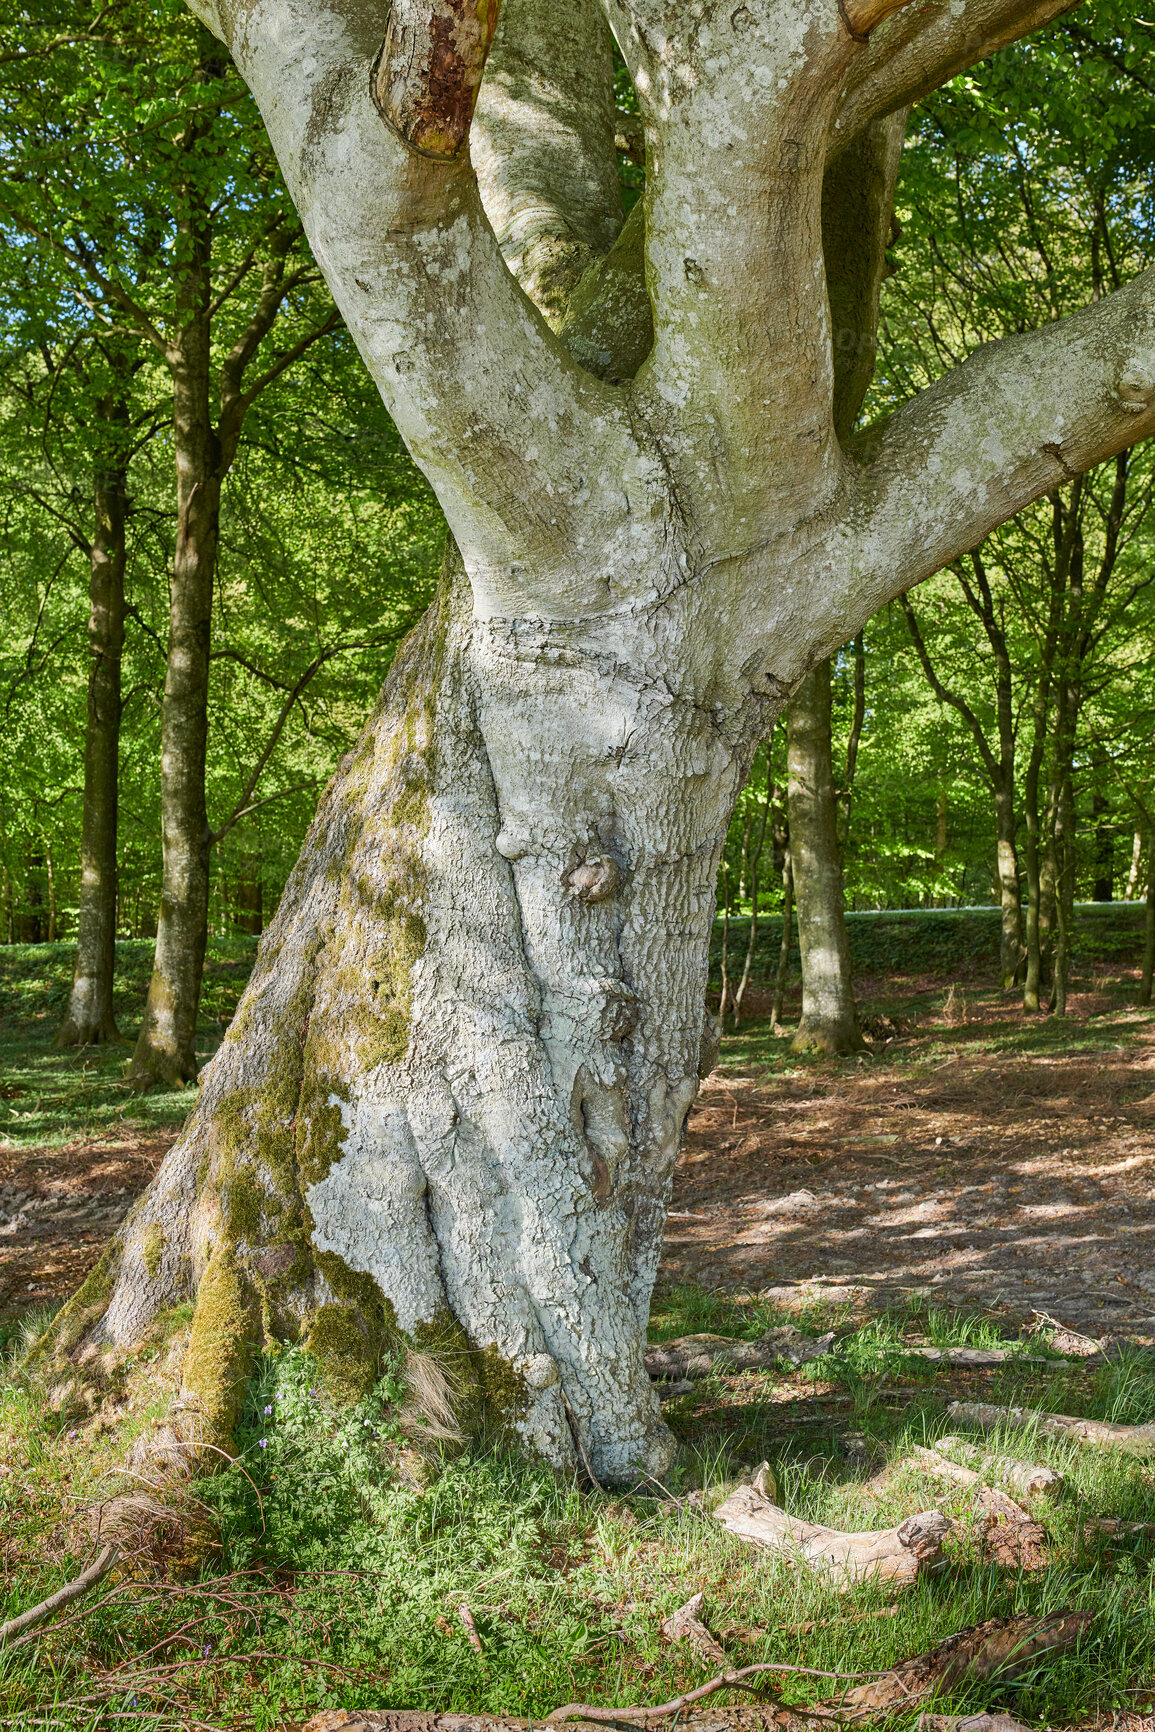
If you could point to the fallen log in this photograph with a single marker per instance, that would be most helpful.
(1131, 1439)
(1028, 1478)
(890, 1554)
(999, 1648)
(1012, 1537)
(969, 1723)
(973, 1357)
(929, 1461)
(693, 1356)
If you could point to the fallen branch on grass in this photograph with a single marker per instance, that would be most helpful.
(999, 1648)
(1131, 1439)
(892, 1554)
(685, 1625)
(690, 1357)
(1012, 1537)
(64, 1596)
(1028, 1478)
(969, 1723)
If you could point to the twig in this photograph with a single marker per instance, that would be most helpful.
(577, 1437)
(31, 1636)
(466, 1616)
(88, 1578)
(725, 1680)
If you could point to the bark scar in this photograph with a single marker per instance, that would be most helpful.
(426, 78)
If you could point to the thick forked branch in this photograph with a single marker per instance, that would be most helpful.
(908, 56)
(737, 105)
(525, 451)
(543, 146)
(1021, 416)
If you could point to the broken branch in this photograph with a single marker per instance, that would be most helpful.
(984, 1416)
(685, 1625)
(695, 1356)
(64, 1596)
(1028, 1478)
(427, 76)
(893, 1554)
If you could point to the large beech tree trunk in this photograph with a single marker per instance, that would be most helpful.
(829, 1015)
(471, 1039)
(89, 1018)
(448, 1109)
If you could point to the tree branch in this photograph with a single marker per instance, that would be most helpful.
(524, 450)
(921, 48)
(1016, 420)
(946, 696)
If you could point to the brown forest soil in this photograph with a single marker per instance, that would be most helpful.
(976, 1160)
(949, 1163)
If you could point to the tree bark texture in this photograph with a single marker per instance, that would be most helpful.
(448, 1110)
(829, 1015)
(89, 1018)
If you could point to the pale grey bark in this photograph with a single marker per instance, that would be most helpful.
(452, 1098)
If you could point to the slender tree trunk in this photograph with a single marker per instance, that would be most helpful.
(829, 1016)
(724, 1000)
(166, 1046)
(1149, 926)
(755, 872)
(89, 1018)
(782, 976)
(1104, 886)
(1133, 870)
(1033, 981)
(1011, 917)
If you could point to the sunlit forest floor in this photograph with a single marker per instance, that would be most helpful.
(970, 1169)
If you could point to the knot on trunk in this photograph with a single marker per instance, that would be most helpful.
(595, 879)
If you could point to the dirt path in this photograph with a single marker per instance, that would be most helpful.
(1008, 1182)
(59, 1205)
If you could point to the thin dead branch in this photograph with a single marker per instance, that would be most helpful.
(64, 1596)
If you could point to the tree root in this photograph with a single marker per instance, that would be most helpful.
(891, 1554)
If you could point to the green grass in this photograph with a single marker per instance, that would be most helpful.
(323, 1571)
(49, 1097)
(337, 1574)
